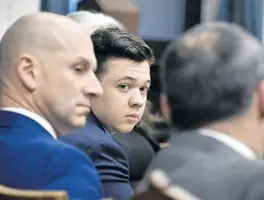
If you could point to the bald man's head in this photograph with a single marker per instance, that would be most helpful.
(47, 63)
(35, 34)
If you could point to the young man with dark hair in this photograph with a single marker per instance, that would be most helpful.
(124, 71)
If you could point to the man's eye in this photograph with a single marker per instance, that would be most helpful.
(144, 90)
(78, 68)
(124, 86)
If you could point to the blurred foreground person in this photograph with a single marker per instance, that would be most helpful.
(216, 106)
(47, 78)
(124, 72)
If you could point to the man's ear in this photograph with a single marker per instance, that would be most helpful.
(165, 109)
(27, 69)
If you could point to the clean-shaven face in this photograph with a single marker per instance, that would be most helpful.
(125, 84)
(68, 83)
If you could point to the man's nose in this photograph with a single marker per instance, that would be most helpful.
(137, 99)
(93, 86)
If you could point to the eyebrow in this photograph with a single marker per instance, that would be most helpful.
(131, 79)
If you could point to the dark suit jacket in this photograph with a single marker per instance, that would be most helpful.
(108, 157)
(209, 169)
(31, 159)
(140, 149)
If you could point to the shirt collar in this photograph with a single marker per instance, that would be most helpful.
(229, 141)
(40, 120)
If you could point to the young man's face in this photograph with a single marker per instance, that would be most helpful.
(125, 84)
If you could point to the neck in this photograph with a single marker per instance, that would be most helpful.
(9, 100)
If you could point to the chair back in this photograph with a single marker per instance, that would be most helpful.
(159, 188)
(7, 193)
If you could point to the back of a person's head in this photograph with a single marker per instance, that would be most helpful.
(92, 21)
(210, 73)
(112, 42)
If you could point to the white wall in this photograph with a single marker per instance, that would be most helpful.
(11, 10)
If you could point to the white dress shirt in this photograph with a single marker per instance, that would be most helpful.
(231, 142)
(40, 120)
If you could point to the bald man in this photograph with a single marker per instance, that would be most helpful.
(47, 68)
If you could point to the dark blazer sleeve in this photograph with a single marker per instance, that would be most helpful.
(112, 166)
(73, 172)
(139, 152)
(109, 160)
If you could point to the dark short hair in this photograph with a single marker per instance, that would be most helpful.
(113, 42)
(210, 73)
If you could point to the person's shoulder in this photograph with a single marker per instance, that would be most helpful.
(65, 157)
(68, 167)
(86, 136)
(58, 148)
(94, 146)
(54, 155)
